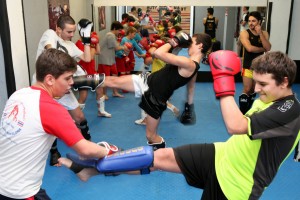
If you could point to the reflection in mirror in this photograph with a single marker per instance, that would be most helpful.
(191, 17)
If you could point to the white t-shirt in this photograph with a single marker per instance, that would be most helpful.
(30, 123)
(246, 25)
(50, 37)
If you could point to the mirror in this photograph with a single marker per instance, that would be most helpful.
(191, 20)
(89, 9)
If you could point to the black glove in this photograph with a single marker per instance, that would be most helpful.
(85, 27)
(181, 39)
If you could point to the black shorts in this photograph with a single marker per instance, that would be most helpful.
(152, 105)
(197, 164)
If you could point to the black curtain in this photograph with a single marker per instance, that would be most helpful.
(5, 38)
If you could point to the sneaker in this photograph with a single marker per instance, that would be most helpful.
(188, 116)
(174, 110)
(140, 122)
(54, 156)
(104, 114)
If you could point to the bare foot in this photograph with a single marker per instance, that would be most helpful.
(118, 95)
(84, 174)
(65, 162)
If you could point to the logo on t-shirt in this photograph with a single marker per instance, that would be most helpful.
(286, 106)
(12, 119)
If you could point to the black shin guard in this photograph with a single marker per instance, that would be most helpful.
(84, 128)
(88, 81)
(251, 100)
(244, 103)
(54, 154)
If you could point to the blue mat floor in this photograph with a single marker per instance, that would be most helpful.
(62, 184)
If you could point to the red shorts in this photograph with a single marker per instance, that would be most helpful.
(129, 65)
(108, 70)
(89, 67)
(120, 62)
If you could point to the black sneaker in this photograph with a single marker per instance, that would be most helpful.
(188, 116)
(54, 156)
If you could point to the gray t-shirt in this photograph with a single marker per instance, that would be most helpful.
(107, 46)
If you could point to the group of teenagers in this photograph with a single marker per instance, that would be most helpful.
(240, 168)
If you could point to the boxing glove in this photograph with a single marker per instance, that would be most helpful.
(156, 36)
(158, 43)
(94, 38)
(131, 24)
(111, 149)
(128, 45)
(85, 27)
(172, 33)
(121, 33)
(144, 43)
(181, 39)
(224, 65)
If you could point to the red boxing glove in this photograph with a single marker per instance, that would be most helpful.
(156, 36)
(94, 38)
(172, 32)
(111, 149)
(131, 24)
(158, 43)
(144, 43)
(121, 33)
(224, 65)
(128, 45)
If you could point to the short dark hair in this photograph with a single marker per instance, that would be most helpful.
(63, 20)
(210, 10)
(116, 25)
(276, 63)
(205, 39)
(54, 62)
(133, 9)
(125, 15)
(130, 19)
(256, 15)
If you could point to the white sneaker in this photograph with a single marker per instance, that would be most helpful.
(174, 110)
(104, 114)
(140, 122)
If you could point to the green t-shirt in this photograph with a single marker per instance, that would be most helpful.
(247, 163)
